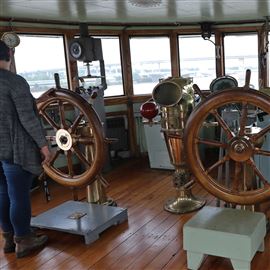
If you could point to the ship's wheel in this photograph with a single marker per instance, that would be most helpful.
(76, 137)
(232, 171)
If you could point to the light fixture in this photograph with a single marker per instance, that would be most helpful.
(206, 28)
(11, 38)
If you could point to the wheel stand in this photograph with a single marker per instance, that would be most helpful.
(80, 218)
(225, 232)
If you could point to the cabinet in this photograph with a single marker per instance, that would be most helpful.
(156, 146)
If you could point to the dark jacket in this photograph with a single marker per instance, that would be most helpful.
(21, 131)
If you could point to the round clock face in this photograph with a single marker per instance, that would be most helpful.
(75, 50)
(11, 39)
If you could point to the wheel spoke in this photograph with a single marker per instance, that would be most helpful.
(86, 140)
(243, 119)
(76, 123)
(217, 164)
(49, 119)
(223, 124)
(55, 156)
(62, 114)
(199, 91)
(245, 178)
(70, 163)
(212, 143)
(247, 79)
(237, 174)
(257, 171)
(257, 136)
(50, 138)
(81, 157)
(258, 151)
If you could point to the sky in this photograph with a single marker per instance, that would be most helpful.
(34, 54)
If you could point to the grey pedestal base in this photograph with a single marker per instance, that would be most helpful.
(230, 233)
(80, 218)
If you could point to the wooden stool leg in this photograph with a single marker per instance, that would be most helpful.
(240, 264)
(194, 260)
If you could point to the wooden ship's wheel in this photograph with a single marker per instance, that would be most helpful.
(77, 141)
(67, 117)
(232, 172)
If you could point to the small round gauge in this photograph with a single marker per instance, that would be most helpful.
(11, 39)
(75, 50)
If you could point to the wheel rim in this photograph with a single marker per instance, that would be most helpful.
(227, 176)
(76, 137)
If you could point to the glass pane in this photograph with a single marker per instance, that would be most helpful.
(241, 53)
(37, 58)
(113, 69)
(197, 59)
(150, 59)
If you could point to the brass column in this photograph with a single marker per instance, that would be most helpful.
(176, 100)
(95, 191)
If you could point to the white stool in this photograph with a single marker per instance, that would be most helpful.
(225, 232)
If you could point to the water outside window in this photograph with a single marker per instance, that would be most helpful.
(197, 59)
(37, 58)
(241, 53)
(150, 60)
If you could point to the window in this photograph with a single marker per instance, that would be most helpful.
(150, 59)
(113, 69)
(37, 58)
(241, 53)
(197, 59)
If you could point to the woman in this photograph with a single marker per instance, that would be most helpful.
(22, 148)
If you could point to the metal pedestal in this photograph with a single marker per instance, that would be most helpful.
(80, 218)
(224, 232)
(182, 205)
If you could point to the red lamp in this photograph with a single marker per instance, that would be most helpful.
(149, 109)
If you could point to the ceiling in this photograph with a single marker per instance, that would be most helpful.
(133, 12)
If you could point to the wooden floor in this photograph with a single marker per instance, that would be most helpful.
(150, 239)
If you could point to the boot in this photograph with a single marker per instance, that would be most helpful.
(26, 244)
(9, 245)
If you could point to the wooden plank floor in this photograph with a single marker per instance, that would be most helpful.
(150, 239)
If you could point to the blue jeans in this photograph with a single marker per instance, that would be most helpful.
(15, 201)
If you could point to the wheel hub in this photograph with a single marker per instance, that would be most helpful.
(240, 148)
(63, 139)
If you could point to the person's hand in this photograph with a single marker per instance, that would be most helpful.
(46, 155)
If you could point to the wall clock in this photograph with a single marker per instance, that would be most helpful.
(11, 39)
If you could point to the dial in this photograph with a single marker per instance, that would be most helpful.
(11, 39)
(75, 50)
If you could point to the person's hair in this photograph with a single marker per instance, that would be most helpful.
(4, 51)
